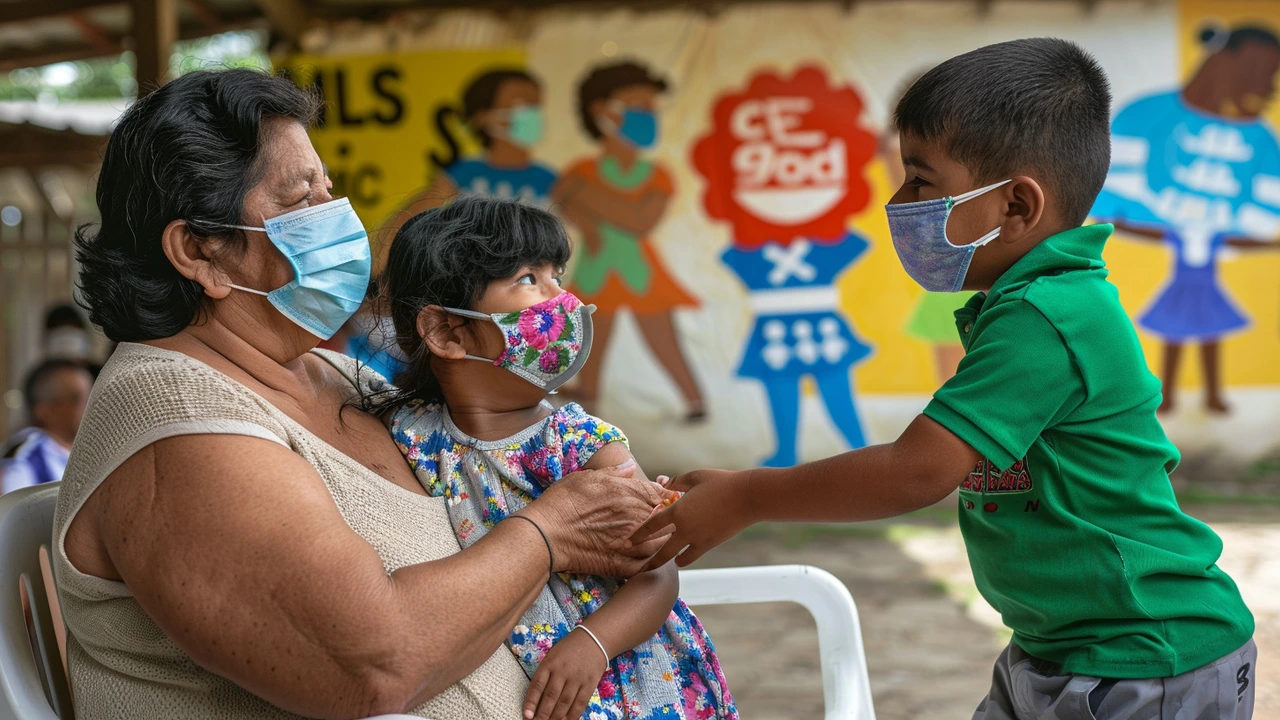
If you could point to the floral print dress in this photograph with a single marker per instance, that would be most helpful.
(674, 675)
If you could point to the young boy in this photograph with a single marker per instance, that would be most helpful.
(1117, 607)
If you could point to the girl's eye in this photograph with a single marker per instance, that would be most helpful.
(917, 181)
(528, 280)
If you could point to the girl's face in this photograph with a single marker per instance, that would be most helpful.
(528, 287)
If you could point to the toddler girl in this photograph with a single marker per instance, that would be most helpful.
(475, 294)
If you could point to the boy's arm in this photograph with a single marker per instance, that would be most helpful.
(920, 468)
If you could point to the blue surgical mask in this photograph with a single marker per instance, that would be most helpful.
(329, 251)
(919, 232)
(639, 127)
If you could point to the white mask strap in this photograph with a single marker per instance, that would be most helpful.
(475, 316)
(975, 193)
(986, 238)
(248, 290)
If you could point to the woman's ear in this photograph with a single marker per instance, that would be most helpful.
(439, 332)
(1024, 210)
(187, 253)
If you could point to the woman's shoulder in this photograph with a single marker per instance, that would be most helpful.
(144, 389)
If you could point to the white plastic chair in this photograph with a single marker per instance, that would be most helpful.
(33, 685)
(845, 687)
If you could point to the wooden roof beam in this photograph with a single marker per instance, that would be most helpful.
(14, 12)
(287, 17)
(29, 58)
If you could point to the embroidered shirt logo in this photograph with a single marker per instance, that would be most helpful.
(987, 478)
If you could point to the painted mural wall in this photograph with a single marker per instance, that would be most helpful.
(724, 178)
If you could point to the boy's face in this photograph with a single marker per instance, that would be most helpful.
(932, 174)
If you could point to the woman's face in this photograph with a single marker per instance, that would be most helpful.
(294, 178)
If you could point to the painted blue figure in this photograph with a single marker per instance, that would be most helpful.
(799, 330)
(1199, 168)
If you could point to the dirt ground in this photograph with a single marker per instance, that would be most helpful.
(930, 639)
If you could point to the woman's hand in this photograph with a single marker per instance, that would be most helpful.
(566, 679)
(716, 505)
(589, 516)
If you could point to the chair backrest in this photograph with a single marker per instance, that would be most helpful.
(846, 689)
(33, 684)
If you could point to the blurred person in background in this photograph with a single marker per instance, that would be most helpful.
(55, 394)
(66, 334)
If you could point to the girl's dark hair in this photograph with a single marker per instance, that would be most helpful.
(447, 257)
(604, 81)
(479, 96)
(190, 151)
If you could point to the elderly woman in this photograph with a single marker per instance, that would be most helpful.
(234, 537)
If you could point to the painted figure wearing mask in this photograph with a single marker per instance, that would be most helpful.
(616, 200)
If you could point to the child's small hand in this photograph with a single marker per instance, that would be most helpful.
(566, 679)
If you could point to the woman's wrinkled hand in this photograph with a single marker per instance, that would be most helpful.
(715, 506)
(590, 516)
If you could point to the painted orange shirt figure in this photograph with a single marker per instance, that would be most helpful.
(616, 200)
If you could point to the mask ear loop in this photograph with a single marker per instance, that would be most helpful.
(969, 196)
(252, 229)
(965, 197)
(474, 316)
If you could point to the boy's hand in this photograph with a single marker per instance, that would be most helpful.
(566, 679)
(716, 505)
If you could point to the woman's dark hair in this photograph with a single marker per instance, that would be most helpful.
(190, 151)
(447, 257)
(602, 82)
(479, 96)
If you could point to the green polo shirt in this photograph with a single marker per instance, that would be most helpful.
(1071, 525)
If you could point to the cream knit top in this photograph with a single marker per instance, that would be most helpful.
(121, 664)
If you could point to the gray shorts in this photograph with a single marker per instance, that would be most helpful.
(1023, 688)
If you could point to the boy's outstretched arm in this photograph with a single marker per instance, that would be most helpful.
(920, 468)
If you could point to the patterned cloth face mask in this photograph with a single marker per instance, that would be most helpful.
(547, 344)
(919, 232)
(329, 251)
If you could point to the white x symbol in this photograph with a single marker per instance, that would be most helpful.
(790, 262)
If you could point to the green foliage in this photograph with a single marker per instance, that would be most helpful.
(112, 78)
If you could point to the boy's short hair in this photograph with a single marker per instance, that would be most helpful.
(1039, 105)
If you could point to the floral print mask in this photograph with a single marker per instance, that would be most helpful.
(547, 343)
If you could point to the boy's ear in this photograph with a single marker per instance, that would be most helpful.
(1024, 211)
(438, 330)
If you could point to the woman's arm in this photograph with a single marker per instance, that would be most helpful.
(235, 548)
